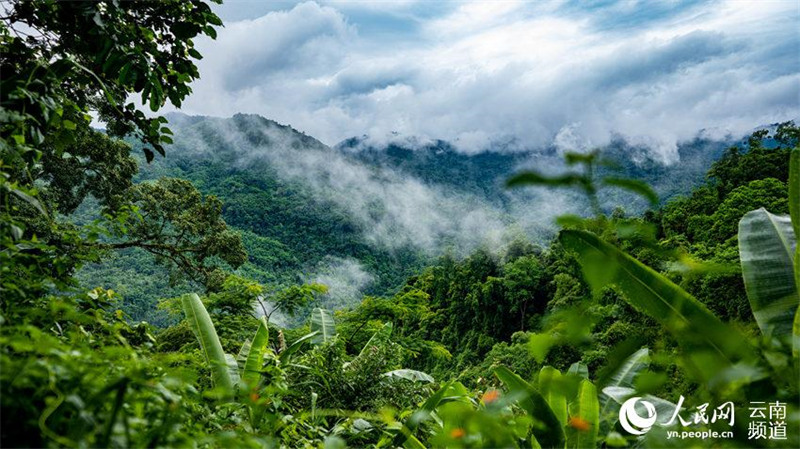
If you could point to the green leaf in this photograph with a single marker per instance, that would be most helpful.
(287, 353)
(405, 436)
(203, 328)
(766, 244)
(322, 323)
(796, 335)
(233, 370)
(156, 94)
(573, 158)
(794, 206)
(16, 232)
(251, 356)
(579, 369)
(539, 345)
(624, 376)
(794, 190)
(549, 432)
(549, 378)
(195, 54)
(635, 186)
(585, 418)
(68, 124)
(28, 199)
(709, 343)
(184, 30)
(533, 178)
(412, 442)
(409, 374)
(630, 368)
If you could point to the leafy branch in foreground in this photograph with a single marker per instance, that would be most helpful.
(586, 181)
(717, 355)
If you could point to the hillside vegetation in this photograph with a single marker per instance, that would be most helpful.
(685, 304)
(358, 216)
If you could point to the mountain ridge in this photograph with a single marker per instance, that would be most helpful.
(364, 219)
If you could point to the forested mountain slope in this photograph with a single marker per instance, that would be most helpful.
(360, 218)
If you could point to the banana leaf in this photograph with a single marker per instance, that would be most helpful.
(624, 377)
(796, 335)
(549, 378)
(405, 436)
(204, 330)
(286, 355)
(409, 374)
(322, 323)
(794, 191)
(766, 250)
(633, 365)
(710, 344)
(585, 418)
(233, 370)
(794, 212)
(251, 356)
(547, 428)
(579, 369)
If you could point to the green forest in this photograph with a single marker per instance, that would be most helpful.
(688, 306)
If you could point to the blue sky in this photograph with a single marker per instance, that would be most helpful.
(571, 73)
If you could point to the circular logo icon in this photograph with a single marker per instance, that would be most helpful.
(630, 419)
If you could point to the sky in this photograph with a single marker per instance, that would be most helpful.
(506, 74)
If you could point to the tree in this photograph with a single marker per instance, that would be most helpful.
(60, 62)
(183, 228)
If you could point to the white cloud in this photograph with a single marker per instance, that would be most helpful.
(345, 278)
(534, 73)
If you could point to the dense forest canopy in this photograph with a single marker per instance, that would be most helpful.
(691, 302)
(358, 218)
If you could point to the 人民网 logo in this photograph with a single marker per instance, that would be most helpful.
(630, 419)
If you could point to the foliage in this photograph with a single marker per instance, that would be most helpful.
(60, 61)
(529, 348)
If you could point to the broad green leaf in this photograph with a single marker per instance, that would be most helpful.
(233, 370)
(796, 334)
(766, 250)
(635, 186)
(413, 443)
(322, 323)
(632, 366)
(794, 190)
(710, 344)
(28, 199)
(584, 423)
(579, 369)
(624, 376)
(533, 178)
(549, 432)
(251, 356)
(405, 437)
(409, 374)
(287, 353)
(549, 378)
(203, 328)
(794, 207)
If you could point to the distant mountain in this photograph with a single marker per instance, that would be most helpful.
(485, 173)
(363, 218)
